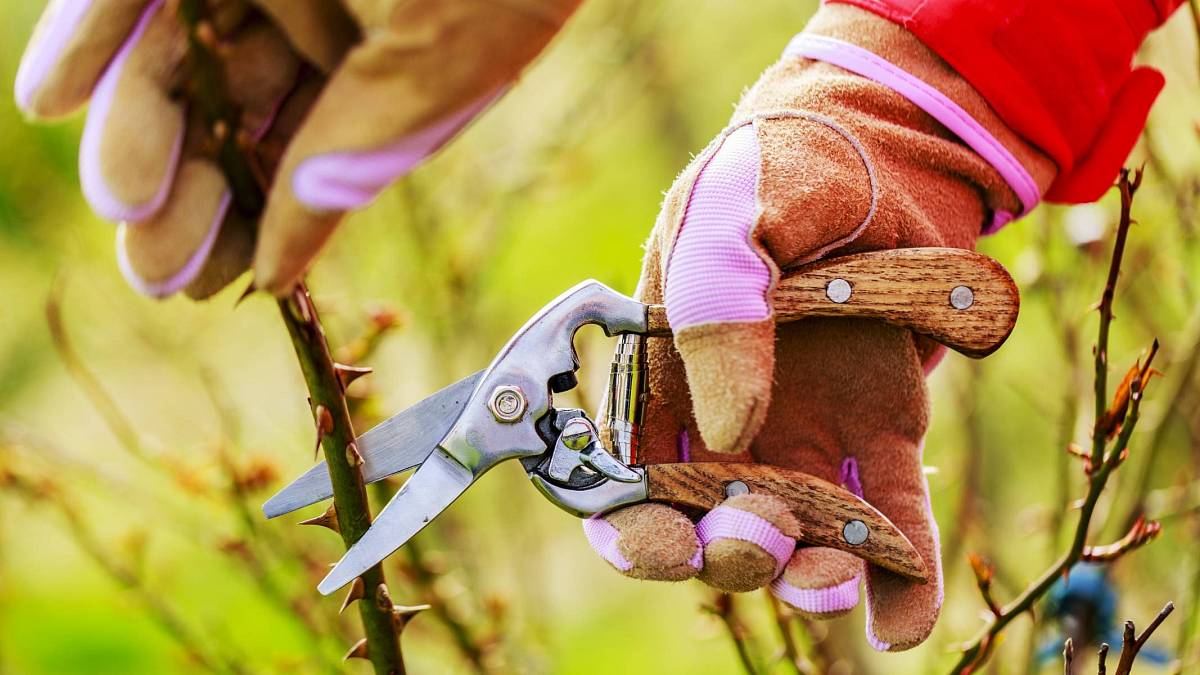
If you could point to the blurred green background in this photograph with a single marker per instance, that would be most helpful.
(121, 564)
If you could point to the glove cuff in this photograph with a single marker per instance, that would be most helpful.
(876, 49)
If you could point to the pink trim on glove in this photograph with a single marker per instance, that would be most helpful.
(871, 66)
(602, 537)
(714, 274)
(40, 59)
(185, 275)
(726, 522)
(827, 600)
(91, 177)
(341, 181)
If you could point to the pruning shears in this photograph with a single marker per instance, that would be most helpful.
(962, 299)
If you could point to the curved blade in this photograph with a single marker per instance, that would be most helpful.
(439, 481)
(397, 444)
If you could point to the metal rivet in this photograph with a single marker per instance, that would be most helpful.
(961, 297)
(736, 487)
(855, 532)
(577, 435)
(838, 290)
(508, 403)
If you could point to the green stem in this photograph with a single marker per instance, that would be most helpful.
(349, 494)
(326, 392)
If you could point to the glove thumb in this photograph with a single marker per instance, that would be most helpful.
(729, 370)
(716, 295)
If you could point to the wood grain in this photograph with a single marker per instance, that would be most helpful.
(821, 507)
(907, 287)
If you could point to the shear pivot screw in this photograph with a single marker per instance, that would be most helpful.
(855, 532)
(961, 297)
(508, 403)
(838, 290)
(736, 487)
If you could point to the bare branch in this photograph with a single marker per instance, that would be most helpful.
(1132, 643)
(1102, 461)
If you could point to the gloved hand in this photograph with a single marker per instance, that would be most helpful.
(818, 161)
(386, 83)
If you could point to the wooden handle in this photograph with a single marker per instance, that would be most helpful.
(826, 512)
(962, 299)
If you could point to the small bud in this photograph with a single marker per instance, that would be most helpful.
(358, 651)
(353, 457)
(256, 475)
(327, 520)
(383, 599)
(357, 591)
(324, 426)
(299, 302)
(384, 318)
(206, 34)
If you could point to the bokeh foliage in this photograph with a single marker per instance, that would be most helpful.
(561, 181)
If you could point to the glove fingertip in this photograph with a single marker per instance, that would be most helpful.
(290, 236)
(169, 252)
(55, 75)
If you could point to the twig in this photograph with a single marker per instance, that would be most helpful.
(1069, 657)
(1141, 533)
(1102, 659)
(1100, 434)
(984, 573)
(1103, 460)
(102, 401)
(1131, 645)
(722, 607)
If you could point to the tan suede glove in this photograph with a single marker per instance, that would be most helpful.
(358, 92)
(818, 161)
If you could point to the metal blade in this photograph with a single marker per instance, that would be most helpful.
(439, 481)
(397, 444)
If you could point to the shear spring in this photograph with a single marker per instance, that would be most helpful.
(627, 397)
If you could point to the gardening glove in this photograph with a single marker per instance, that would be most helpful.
(337, 100)
(818, 161)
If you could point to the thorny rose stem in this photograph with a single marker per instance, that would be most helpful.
(1100, 465)
(381, 620)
